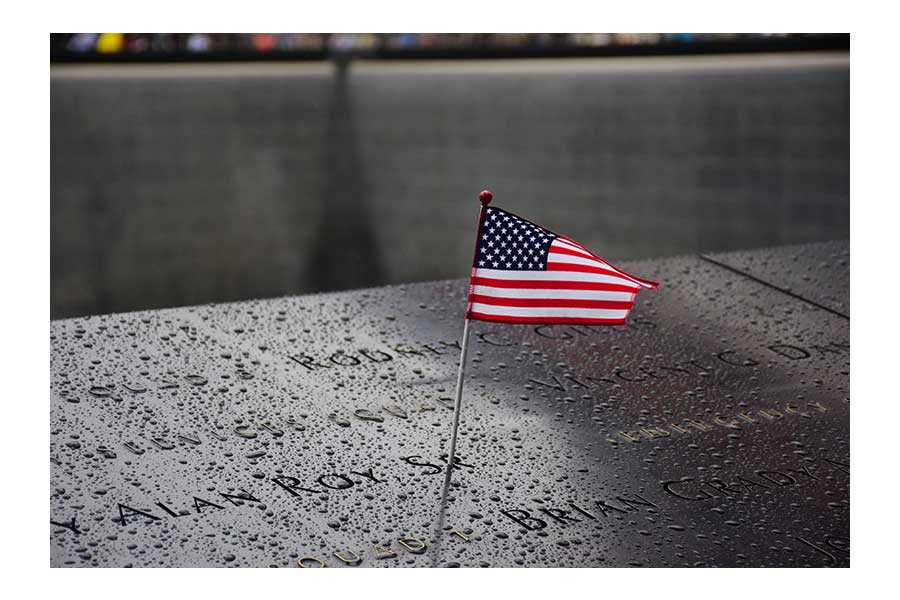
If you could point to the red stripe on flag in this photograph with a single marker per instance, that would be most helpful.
(562, 266)
(563, 238)
(548, 320)
(563, 250)
(560, 249)
(552, 285)
(651, 284)
(550, 302)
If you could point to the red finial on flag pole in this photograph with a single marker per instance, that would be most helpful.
(485, 197)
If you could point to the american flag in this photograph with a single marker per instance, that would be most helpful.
(524, 273)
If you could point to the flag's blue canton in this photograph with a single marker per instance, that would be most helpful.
(511, 243)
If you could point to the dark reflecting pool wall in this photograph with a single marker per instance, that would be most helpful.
(174, 185)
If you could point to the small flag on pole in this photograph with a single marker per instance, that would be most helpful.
(525, 273)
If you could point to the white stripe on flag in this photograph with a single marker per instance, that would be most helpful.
(569, 246)
(578, 313)
(485, 290)
(566, 244)
(576, 260)
(554, 276)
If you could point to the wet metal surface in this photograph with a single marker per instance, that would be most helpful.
(712, 430)
(818, 273)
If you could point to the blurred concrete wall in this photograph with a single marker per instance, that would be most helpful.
(185, 184)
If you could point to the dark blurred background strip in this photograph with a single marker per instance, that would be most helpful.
(176, 184)
(171, 47)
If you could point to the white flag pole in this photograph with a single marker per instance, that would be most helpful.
(485, 198)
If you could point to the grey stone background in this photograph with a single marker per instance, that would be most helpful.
(184, 184)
